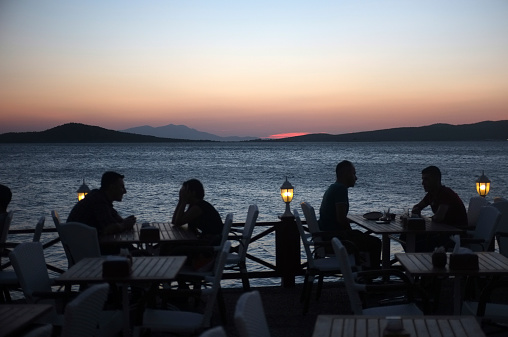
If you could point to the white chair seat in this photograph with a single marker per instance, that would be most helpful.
(178, 322)
(409, 309)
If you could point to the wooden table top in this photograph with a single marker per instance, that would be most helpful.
(395, 226)
(14, 317)
(168, 233)
(417, 326)
(489, 263)
(144, 269)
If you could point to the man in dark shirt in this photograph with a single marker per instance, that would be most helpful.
(447, 206)
(333, 215)
(96, 209)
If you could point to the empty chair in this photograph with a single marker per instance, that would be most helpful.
(502, 227)
(186, 322)
(486, 225)
(56, 219)
(8, 278)
(218, 331)
(473, 210)
(80, 241)
(250, 319)
(316, 266)
(38, 229)
(237, 260)
(83, 314)
(354, 289)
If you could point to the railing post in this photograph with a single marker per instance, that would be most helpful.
(287, 250)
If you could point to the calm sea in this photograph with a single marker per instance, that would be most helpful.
(44, 177)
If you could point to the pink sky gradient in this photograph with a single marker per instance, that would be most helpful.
(308, 68)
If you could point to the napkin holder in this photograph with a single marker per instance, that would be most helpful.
(149, 234)
(414, 223)
(116, 267)
(464, 261)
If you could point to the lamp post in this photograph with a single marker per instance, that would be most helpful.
(287, 241)
(286, 191)
(483, 185)
(82, 190)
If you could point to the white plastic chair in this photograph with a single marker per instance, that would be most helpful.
(502, 227)
(237, 260)
(316, 266)
(82, 315)
(354, 289)
(473, 210)
(186, 322)
(38, 229)
(80, 241)
(486, 226)
(250, 319)
(313, 225)
(8, 278)
(218, 331)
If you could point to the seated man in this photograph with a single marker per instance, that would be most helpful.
(447, 206)
(96, 209)
(333, 215)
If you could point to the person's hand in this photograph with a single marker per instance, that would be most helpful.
(184, 195)
(129, 222)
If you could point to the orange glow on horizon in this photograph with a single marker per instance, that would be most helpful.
(287, 135)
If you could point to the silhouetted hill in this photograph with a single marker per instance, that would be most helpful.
(182, 132)
(487, 130)
(80, 133)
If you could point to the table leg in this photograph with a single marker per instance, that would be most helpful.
(385, 251)
(457, 295)
(410, 242)
(126, 310)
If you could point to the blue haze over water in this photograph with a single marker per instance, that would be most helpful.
(44, 177)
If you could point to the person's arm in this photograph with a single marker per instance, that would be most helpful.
(417, 209)
(182, 216)
(440, 214)
(110, 222)
(341, 214)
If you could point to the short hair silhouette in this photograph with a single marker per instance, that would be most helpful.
(342, 167)
(432, 171)
(109, 178)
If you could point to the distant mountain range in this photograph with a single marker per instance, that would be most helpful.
(487, 130)
(181, 132)
(81, 133)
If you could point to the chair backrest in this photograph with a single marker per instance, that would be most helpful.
(226, 229)
(217, 331)
(250, 319)
(81, 241)
(56, 220)
(486, 225)
(306, 240)
(214, 280)
(347, 273)
(4, 229)
(473, 209)
(310, 217)
(502, 207)
(82, 315)
(250, 222)
(30, 265)
(38, 229)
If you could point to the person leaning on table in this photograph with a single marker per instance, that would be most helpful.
(333, 215)
(446, 205)
(96, 209)
(5, 199)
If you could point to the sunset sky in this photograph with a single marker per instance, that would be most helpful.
(252, 68)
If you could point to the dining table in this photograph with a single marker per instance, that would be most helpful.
(420, 264)
(167, 233)
(391, 229)
(16, 317)
(144, 269)
(415, 326)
